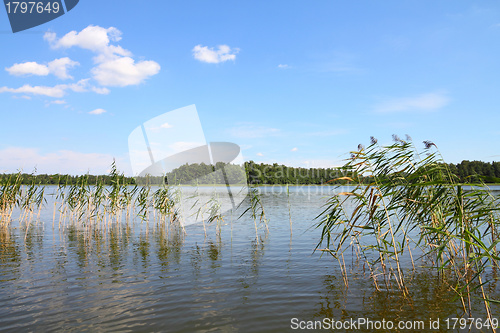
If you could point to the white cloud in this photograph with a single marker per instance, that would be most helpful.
(93, 38)
(214, 56)
(62, 161)
(294, 149)
(259, 154)
(57, 67)
(80, 86)
(124, 71)
(159, 128)
(251, 131)
(28, 68)
(115, 65)
(283, 66)
(97, 111)
(100, 90)
(424, 102)
(57, 101)
(57, 91)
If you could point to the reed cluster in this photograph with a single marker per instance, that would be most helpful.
(101, 202)
(89, 204)
(28, 198)
(404, 206)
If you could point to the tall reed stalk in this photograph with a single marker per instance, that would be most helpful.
(256, 210)
(10, 197)
(399, 197)
(289, 209)
(215, 212)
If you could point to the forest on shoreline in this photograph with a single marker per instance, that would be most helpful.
(257, 174)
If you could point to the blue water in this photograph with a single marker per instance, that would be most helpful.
(143, 277)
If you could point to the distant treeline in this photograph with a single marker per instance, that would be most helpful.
(44, 179)
(260, 174)
(256, 174)
(202, 173)
(466, 171)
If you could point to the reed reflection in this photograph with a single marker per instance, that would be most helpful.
(10, 255)
(431, 297)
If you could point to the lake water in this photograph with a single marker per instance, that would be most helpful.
(138, 277)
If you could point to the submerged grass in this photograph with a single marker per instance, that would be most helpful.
(403, 200)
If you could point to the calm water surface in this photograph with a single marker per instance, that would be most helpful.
(137, 277)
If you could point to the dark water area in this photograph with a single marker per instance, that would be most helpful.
(143, 277)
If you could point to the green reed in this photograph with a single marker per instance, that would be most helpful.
(399, 200)
(28, 198)
(105, 201)
(143, 201)
(289, 209)
(32, 200)
(88, 204)
(10, 197)
(215, 212)
(256, 210)
(165, 203)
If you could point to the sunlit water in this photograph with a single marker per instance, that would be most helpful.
(136, 277)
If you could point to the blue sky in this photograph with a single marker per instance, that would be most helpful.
(293, 82)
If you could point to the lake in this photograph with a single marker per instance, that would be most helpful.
(138, 276)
